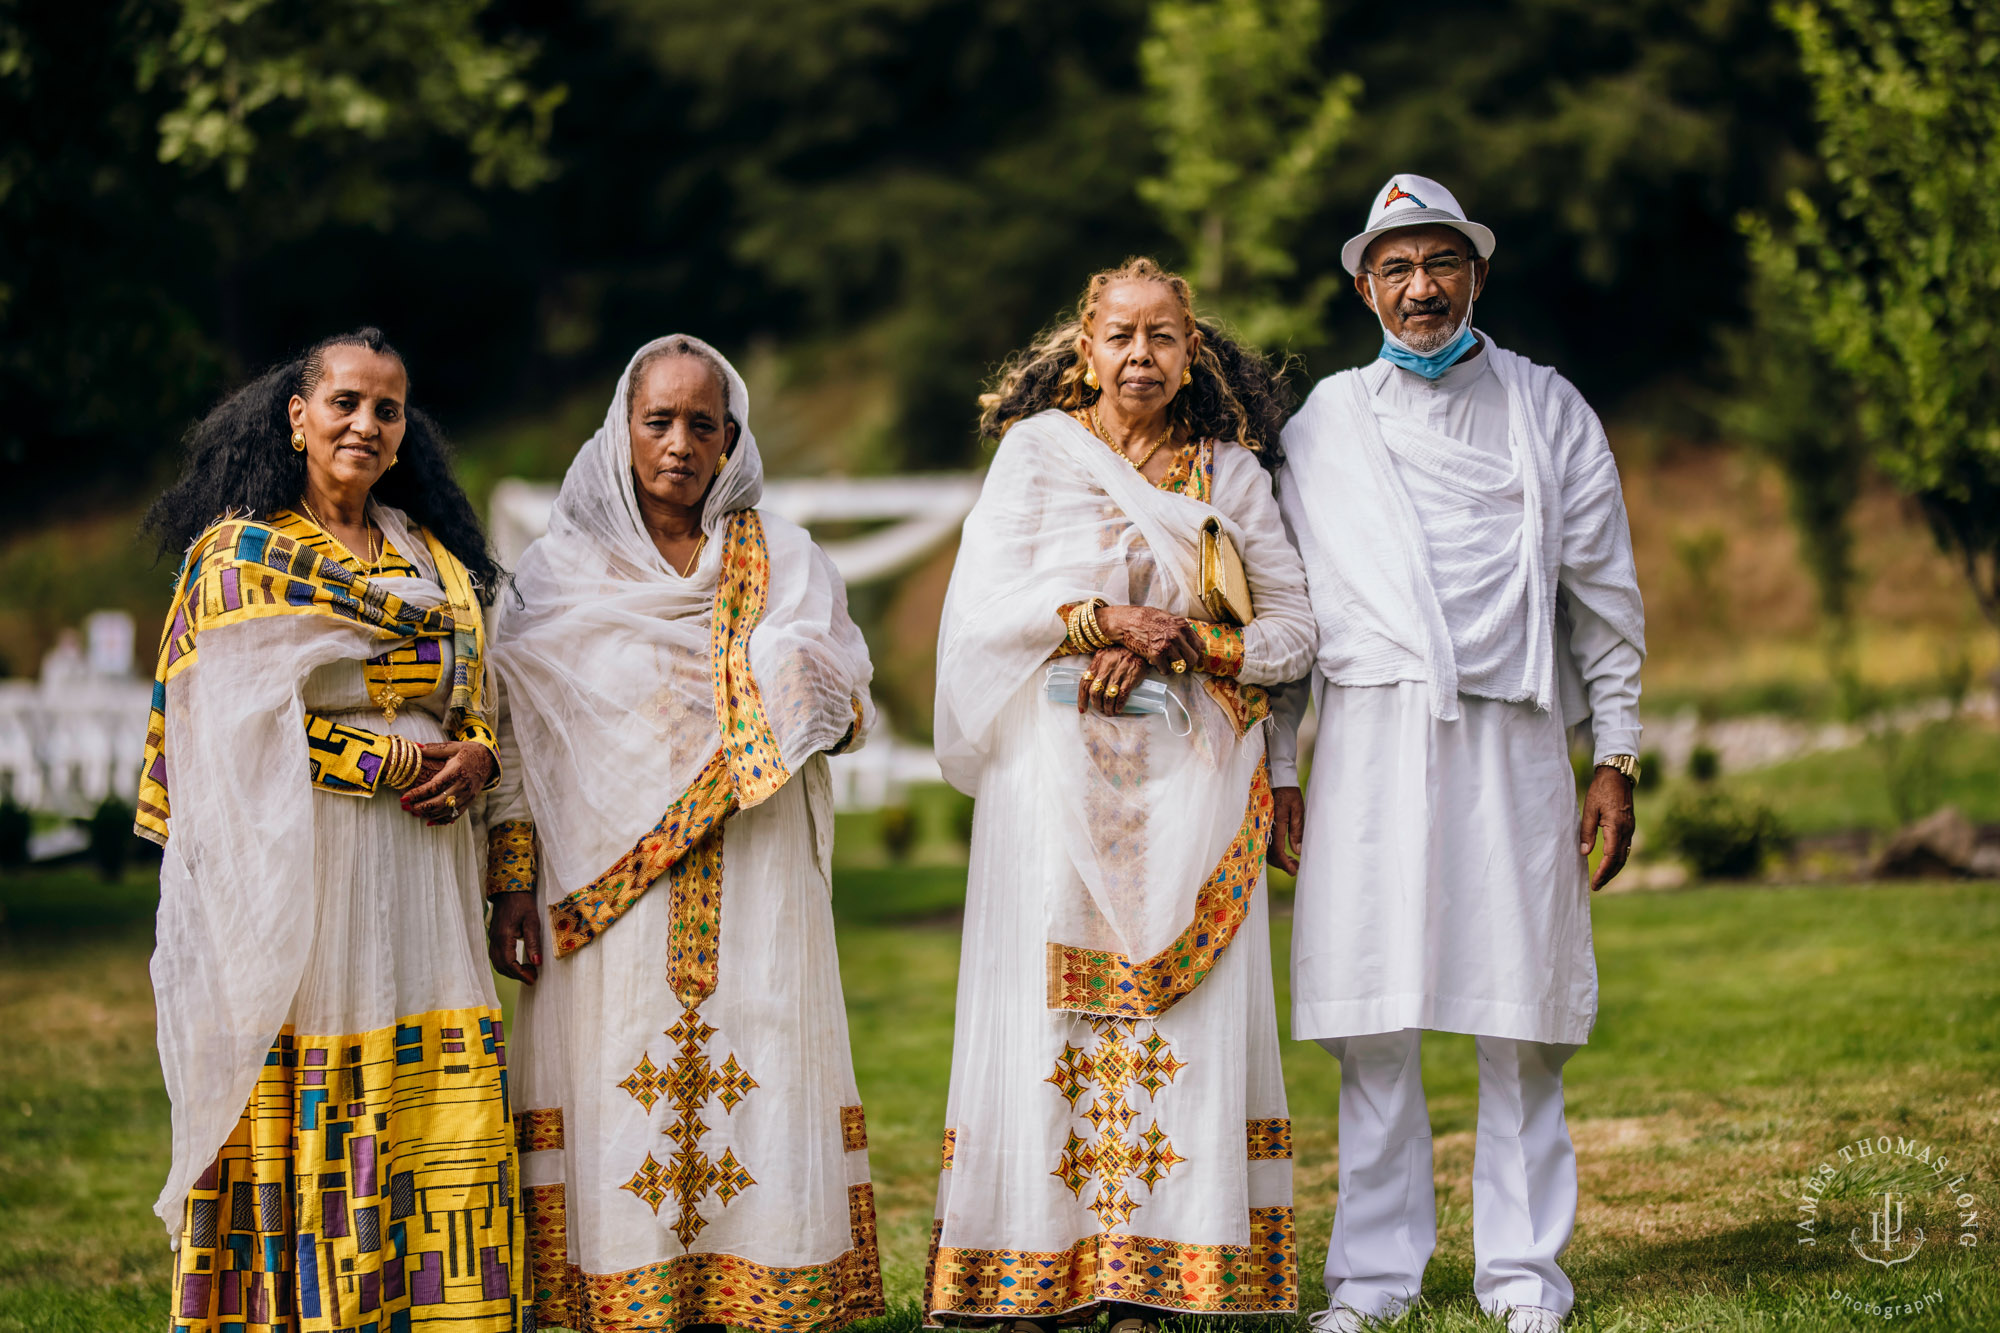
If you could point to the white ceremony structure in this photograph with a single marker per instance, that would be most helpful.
(77, 734)
(910, 517)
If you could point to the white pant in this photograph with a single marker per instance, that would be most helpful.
(1523, 1176)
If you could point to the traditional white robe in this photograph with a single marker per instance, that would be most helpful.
(692, 1142)
(1471, 572)
(1116, 1125)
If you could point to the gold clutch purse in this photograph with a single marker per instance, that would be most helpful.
(1225, 590)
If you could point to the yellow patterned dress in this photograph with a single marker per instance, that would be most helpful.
(370, 1183)
(1116, 1130)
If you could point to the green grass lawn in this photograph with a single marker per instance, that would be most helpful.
(1746, 1035)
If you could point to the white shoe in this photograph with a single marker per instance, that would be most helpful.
(1533, 1319)
(1338, 1319)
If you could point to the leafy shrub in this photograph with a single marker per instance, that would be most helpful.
(1704, 764)
(1721, 834)
(111, 837)
(1652, 769)
(961, 817)
(899, 831)
(15, 826)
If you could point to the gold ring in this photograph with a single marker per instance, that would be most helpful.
(1179, 666)
(1097, 687)
(451, 800)
(1087, 678)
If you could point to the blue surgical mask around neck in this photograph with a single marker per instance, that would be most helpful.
(1429, 365)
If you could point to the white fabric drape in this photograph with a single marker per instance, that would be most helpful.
(280, 902)
(604, 649)
(606, 689)
(1068, 1155)
(1062, 518)
(1440, 885)
(1380, 616)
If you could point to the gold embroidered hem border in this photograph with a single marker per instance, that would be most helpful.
(539, 1130)
(1099, 981)
(1261, 1277)
(702, 1288)
(1268, 1140)
(853, 1129)
(510, 857)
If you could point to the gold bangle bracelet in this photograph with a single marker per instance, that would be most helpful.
(1075, 623)
(404, 762)
(1099, 639)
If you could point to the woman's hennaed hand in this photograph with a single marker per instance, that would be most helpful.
(514, 936)
(1109, 680)
(453, 773)
(1159, 638)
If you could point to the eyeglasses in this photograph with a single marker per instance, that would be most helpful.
(1398, 272)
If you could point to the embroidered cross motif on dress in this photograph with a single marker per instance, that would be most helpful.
(690, 1175)
(1115, 1064)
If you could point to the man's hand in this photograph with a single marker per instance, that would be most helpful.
(1607, 805)
(1288, 829)
(514, 923)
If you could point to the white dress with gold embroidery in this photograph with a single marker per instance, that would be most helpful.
(692, 1142)
(1117, 1129)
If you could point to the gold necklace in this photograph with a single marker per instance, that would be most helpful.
(380, 541)
(1097, 429)
(695, 559)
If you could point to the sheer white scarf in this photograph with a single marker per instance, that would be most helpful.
(603, 658)
(238, 880)
(1145, 815)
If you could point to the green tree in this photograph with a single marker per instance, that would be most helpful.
(1247, 128)
(1897, 269)
(1795, 408)
(256, 78)
(154, 152)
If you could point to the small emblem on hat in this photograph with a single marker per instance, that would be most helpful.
(1398, 192)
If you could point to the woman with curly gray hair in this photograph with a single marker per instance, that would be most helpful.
(1124, 593)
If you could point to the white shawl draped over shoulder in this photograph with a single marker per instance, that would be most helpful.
(605, 657)
(1379, 615)
(1145, 815)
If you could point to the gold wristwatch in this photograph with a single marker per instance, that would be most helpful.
(1628, 764)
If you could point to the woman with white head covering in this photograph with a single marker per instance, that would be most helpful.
(673, 672)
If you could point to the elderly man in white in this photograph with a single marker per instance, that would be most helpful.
(1471, 573)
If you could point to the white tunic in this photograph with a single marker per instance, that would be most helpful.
(1440, 885)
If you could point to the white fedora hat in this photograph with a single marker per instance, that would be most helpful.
(1414, 201)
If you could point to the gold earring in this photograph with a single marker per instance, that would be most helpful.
(1090, 376)
(299, 441)
(1187, 376)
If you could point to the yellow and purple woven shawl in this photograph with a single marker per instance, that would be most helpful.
(241, 569)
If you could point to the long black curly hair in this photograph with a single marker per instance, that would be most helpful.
(1235, 394)
(239, 460)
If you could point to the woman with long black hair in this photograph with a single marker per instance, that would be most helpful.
(343, 1152)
